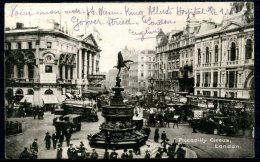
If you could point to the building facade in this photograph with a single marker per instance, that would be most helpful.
(224, 60)
(137, 78)
(45, 64)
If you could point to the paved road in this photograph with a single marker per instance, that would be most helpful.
(37, 129)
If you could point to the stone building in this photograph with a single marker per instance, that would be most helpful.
(224, 59)
(42, 65)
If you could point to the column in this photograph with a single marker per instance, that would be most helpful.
(68, 72)
(85, 63)
(74, 70)
(15, 71)
(63, 71)
(94, 64)
(211, 78)
(90, 63)
(80, 64)
(219, 76)
(25, 69)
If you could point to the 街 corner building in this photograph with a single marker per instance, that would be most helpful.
(43, 65)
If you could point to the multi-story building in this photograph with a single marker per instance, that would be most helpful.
(140, 72)
(224, 60)
(42, 65)
(174, 54)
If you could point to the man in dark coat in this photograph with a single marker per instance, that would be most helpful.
(54, 139)
(70, 152)
(61, 138)
(25, 154)
(147, 155)
(59, 152)
(94, 154)
(106, 154)
(113, 154)
(35, 145)
(130, 155)
(68, 136)
(163, 136)
(156, 135)
(124, 154)
(180, 152)
(47, 140)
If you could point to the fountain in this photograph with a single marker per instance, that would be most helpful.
(119, 131)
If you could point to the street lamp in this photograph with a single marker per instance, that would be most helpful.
(152, 82)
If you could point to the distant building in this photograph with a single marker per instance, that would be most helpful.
(42, 65)
(140, 72)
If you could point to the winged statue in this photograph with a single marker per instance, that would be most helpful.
(121, 63)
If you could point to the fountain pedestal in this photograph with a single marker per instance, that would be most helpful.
(118, 131)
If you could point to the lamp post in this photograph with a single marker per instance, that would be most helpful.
(152, 82)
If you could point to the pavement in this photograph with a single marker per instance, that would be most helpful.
(199, 145)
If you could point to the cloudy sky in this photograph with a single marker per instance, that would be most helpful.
(115, 25)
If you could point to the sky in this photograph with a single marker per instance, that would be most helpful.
(115, 25)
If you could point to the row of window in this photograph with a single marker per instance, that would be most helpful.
(233, 52)
(31, 45)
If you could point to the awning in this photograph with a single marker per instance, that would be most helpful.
(90, 91)
(27, 98)
(50, 99)
(68, 95)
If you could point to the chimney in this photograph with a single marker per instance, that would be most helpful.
(56, 26)
(19, 25)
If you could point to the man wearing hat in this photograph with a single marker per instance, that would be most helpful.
(113, 154)
(47, 140)
(70, 152)
(68, 136)
(54, 139)
(124, 154)
(130, 156)
(106, 154)
(180, 152)
(94, 154)
(147, 155)
(25, 154)
(35, 145)
(59, 151)
(163, 136)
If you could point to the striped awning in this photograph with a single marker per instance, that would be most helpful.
(50, 99)
(27, 98)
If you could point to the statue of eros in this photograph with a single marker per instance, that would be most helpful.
(121, 63)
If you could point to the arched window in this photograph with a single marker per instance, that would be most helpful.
(199, 56)
(249, 49)
(207, 55)
(48, 92)
(233, 52)
(30, 92)
(19, 92)
(216, 53)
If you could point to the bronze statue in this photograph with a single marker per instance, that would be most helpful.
(121, 63)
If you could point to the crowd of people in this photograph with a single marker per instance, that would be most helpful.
(13, 127)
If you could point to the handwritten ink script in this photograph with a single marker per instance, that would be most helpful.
(149, 18)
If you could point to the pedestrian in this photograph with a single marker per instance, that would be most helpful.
(54, 139)
(113, 154)
(34, 112)
(124, 154)
(35, 145)
(180, 152)
(165, 143)
(70, 152)
(172, 147)
(158, 155)
(136, 149)
(59, 152)
(163, 136)
(130, 155)
(175, 121)
(61, 138)
(94, 154)
(68, 136)
(47, 140)
(25, 154)
(147, 155)
(156, 135)
(106, 154)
